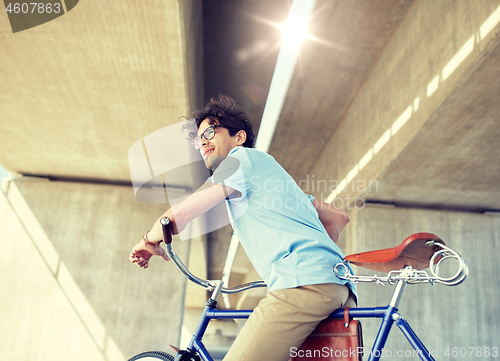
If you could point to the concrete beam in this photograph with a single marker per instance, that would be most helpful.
(78, 91)
(453, 161)
(436, 47)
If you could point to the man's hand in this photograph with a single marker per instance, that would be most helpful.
(141, 253)
(333, 219)
(197, 203)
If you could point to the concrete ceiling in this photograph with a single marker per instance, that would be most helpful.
(76, 93)
(454, 161)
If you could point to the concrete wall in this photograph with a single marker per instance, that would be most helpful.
(466, 315)
(69, 290)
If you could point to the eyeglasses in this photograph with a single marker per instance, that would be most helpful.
(208, 134)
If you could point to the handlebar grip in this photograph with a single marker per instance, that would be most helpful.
(166, 228)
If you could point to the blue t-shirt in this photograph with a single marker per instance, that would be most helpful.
(276, 222)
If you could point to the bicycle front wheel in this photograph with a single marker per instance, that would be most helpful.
(153, 356)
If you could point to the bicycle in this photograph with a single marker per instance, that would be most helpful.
(403, 264)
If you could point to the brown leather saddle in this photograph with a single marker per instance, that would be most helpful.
(412, 252)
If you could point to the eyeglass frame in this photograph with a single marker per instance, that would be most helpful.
(202, 135)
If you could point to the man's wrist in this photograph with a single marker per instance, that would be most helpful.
(148, 242)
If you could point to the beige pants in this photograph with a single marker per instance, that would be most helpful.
(284, 318)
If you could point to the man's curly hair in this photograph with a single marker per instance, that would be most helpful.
(225, 111)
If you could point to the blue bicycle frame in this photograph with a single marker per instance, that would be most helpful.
(388, 314)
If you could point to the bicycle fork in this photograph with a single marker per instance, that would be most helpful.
(196, 350)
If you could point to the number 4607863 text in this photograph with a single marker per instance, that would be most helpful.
(32, 8)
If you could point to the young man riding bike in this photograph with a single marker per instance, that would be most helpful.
(289, 237)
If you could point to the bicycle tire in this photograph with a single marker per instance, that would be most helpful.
(153, 356)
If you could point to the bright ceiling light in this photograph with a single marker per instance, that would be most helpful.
(295, 31)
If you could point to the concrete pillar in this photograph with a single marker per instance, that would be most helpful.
(69, 290)
(461, 316)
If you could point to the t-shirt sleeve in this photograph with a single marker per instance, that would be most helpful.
(230, 173)
(311, 198)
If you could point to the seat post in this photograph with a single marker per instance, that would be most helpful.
(398, 293)
(400, 287)
(385, 326)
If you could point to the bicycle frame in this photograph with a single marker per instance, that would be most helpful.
(388, 314)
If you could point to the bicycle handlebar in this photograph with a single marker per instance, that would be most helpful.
(207, 284)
